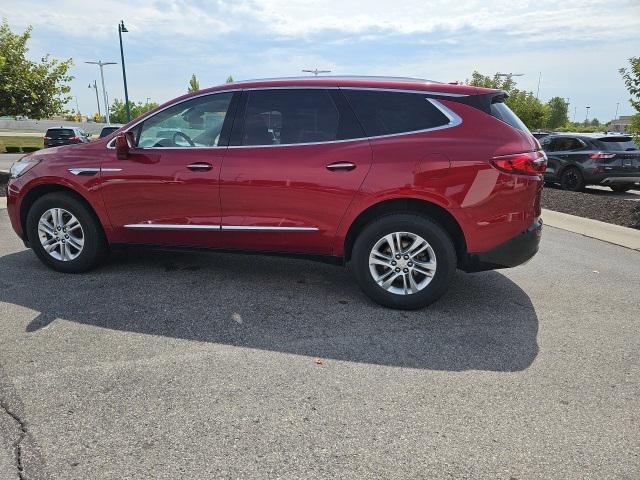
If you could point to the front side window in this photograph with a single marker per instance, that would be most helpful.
(385, 113)
(193, 123)
(289, 116)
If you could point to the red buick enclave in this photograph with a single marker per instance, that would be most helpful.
(406, 179)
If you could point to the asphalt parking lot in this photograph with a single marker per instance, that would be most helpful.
(166, 365)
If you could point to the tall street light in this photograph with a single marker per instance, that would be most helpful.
(95, 86)
(101, 64)
(586, 119)
(122, 29)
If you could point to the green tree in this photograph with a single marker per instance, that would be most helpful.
(33, 89)
(118, 112)
(558, 113)
(524, 104)
(229, 79)
(595, 122)
(631, 79)
(194, 85)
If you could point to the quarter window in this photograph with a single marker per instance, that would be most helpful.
(193, 123)
(289, 116)
(384, 113)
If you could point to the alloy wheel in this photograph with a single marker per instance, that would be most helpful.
(61, 234)
(402, 263)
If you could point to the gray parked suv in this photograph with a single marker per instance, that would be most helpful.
(577, 160)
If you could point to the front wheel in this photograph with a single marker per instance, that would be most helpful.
(404, 261)
(65, 234)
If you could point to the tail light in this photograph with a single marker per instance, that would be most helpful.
(75, 138)
(601, 155)
(528, 163)
(46, 138)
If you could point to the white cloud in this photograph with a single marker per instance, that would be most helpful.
(570, 20)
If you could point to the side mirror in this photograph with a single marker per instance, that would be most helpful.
(124, 143)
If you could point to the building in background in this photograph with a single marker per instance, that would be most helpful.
(621, 125)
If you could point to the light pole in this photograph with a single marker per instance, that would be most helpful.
(509, 75)
(122, 29)
(586, 119)
(538, 91)
(95, 85)
(101, 64)
(617, 105)
(315, 71)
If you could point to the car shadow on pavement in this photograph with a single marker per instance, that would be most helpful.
(485, 322)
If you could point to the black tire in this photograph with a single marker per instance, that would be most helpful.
(572, 180)
(621, 188)
(430, 231)
(95, 248)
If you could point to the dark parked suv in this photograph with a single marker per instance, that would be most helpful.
(577, 160)
(106, 131)
(56, 137)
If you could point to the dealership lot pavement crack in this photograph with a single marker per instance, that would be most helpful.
(17, 444)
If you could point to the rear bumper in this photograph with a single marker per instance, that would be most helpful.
(511, 253)
(620, 180)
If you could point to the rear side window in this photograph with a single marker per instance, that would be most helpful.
(618, 144)
(385, 113)
(289, 116)
(501, 111)
(60, 133)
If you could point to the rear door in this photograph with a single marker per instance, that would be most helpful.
(296, 159)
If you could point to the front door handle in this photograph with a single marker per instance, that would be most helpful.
(341, 166)
(200, 166)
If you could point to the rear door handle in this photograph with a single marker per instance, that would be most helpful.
(200, 166)
(341, 166)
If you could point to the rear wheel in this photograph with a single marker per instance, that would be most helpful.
(621, 188)
(572, 180)
(404, 261)
(64, 233)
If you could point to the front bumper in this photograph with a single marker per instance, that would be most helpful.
(511, 253)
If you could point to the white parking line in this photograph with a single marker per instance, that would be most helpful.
(3, 202)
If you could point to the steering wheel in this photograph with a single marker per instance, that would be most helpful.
(185, 136)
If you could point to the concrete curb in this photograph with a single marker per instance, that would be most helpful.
(607, 232)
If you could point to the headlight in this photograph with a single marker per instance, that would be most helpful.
(22, 166)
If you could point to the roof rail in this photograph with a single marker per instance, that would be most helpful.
(341, 77)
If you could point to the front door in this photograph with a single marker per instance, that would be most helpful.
(167, 191)
(293, 167)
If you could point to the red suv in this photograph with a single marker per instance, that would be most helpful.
(405, 179)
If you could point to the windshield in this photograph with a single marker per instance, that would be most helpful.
(618, 144)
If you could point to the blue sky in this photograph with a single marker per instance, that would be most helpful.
(577, 45)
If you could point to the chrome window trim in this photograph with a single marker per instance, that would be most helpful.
(454, 119)
(217, 228)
